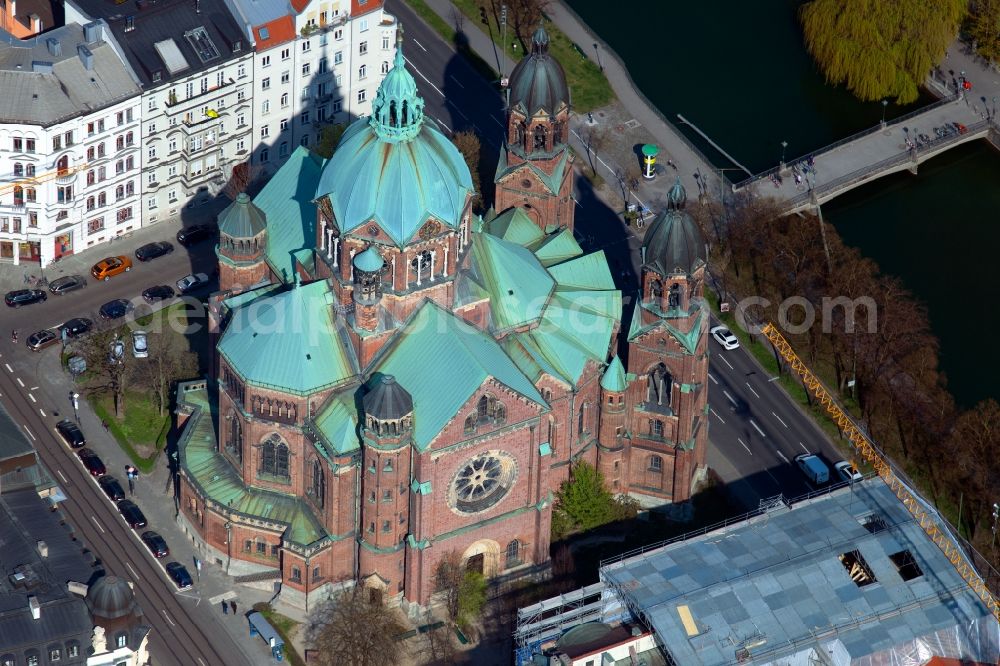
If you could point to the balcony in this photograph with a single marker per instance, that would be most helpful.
(66, 177)
(174, 102)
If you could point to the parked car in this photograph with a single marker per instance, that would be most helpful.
(66, 284)
(158, 293)
(19, 297)
(179, 574)
(76, 327)
(188, 236)
(725, 337)
(42, 339)
(107, 268)
(153, 250)
(191, 282)
(111, 488)
(140, 344)
(156, 544)
(132, 514)
(71, 433)
(814, 469)
(116, 352)
(116, 309)
(92, 462)
(847, 472)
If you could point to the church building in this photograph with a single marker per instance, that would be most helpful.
(396, 378)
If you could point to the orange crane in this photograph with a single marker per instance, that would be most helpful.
(29, 181)
(866, 448)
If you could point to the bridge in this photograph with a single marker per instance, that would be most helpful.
(881, 150)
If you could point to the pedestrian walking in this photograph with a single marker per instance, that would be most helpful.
(225, 607)
(104, 423)
(232, 607)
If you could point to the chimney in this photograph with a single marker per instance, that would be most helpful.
(79, 589)
(36, 23)
(43, 549)
(36, 609)
(92, 32)
(41, 67)
(55, 46)
(86, 56)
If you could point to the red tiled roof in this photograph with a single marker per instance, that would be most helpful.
(299, 5)
(359, 7)
(279, 30)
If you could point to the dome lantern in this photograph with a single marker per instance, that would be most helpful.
(398, 109)
(538, 82)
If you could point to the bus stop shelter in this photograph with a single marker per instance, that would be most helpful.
(259, 626)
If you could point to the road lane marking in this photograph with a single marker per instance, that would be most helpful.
(19, 381)
(443, 123)
(414, 67)
(726, 362)
(803, 447)
(419, 44)
(32, 398)
(29, 433)
(33, 388)
(782, 455)
(744, 446)
(94, 518)
(716, 414)
(128, 565)
(168, 619)
(9, 369)
(459, 83)
(201, 662)
(713, 378)
(779, 420)
(62, 476)
(731, 399)
(757, 428)
(752, 391)
(42, 412)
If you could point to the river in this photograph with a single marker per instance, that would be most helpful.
(740, 72)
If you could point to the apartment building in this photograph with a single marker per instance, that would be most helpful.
(195, 69)
(315, 63)
(69, 144)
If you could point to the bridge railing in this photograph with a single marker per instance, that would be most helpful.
(858, 175)
(848, 139)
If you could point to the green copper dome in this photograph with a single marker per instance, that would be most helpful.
(242, 219)
(674, 244)
(396, 168)
(613, 379)
(369, 261)
(538, 82)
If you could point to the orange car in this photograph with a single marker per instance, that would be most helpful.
(105, 268)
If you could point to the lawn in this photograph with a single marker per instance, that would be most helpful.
(286, 628)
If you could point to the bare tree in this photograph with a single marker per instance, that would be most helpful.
(440, 650)
(168, 362)
(239, 178)
(351, 629)
(468, 144)
(523, 17)
(594, 139)
(448, 580)
(109, 372)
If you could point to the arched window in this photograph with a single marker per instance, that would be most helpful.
(90, 203)
(655, 289)
(484, 407)
(102, 199)
(29, 170)
(470, 424)
(62, 165)
(656, 427)
(580, 420)
(274, 457)
(675, 296)
(91, 177)
(406, 113)
(235, 443)
(658, 385)
(539, 138)
(18, 169)
(500, 413)
(513, 553)
(318, 483)
(18, 195)
(655, 464)
(121, 640)
(421, 263)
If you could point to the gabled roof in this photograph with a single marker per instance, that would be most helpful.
(272, 33)
(515, 226)
(286, 200)
(289, 341)
(518, 283)
(550, 181)
(442, 361)
(338, 423)
(558, 247)
(587, 272)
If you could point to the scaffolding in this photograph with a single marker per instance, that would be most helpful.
(547, 619)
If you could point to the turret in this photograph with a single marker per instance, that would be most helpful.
(242, 245)
(367, 293)
(611, 431)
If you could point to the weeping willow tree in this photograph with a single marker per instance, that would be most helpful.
(984, 28)
(880, 49)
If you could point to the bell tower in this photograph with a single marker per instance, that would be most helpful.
(242, 245)
(535, 171)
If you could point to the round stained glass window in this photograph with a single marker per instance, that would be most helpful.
(482, 481)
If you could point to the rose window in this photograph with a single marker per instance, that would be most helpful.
(482, 482)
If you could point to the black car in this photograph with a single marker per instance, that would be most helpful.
(115, 309)
(111, 488)
(42, 339)
(157, 546)
(179, 574)
(76, 327)
(160, 292)
(132, 514)
(67, 284)
(19, 297)
(153, 250)
(71, 432)
(92, 462)
(188, 236)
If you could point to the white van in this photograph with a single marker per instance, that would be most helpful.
(815, 469)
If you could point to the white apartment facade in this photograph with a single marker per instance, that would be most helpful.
(69, 145)
(315, 63)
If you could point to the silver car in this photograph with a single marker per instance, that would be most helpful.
(140, 344)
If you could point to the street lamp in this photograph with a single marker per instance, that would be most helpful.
(74, 398)
(784, 145)
(598, 52)
(885, 103)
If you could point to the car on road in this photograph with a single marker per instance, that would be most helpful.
(725, 337)
(42, 339)
(140, 344)
(132, 514)
(158, 293)
(116, 352)
(179, 574)
(156, 544)
(76, 327)
(151, 251)
(191, 282)
(116, 309)
(847, 472)
(19, 297)
(189, 236)
(71, 433)
(92, 462)
(111, 488)
(107, 268)
(813, 468)
(67, 283)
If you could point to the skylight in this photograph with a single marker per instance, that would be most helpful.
(202, 44)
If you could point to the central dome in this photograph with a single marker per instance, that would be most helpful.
(673, 244)
(538, 83)
(110, 598)
(396, 167)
